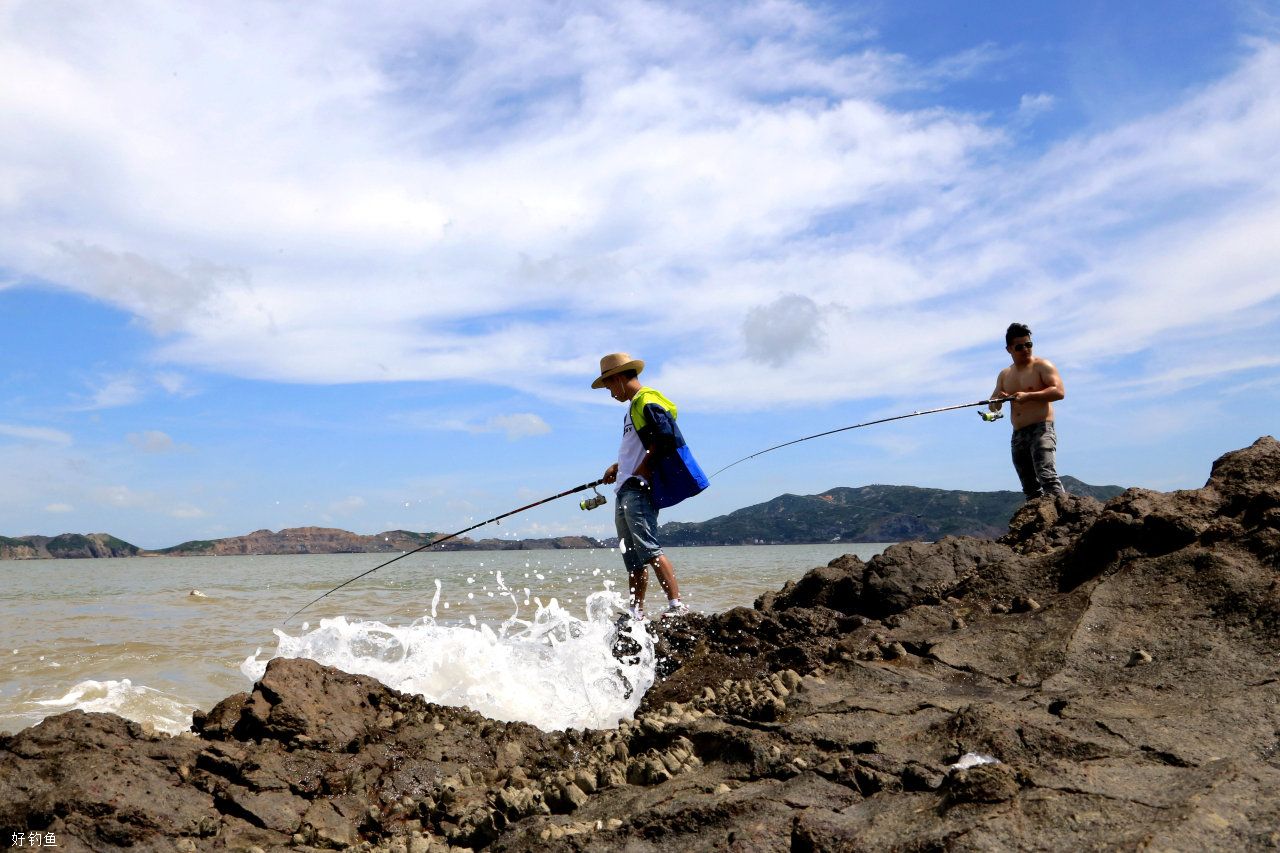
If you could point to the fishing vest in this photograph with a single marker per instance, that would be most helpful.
(676, 474)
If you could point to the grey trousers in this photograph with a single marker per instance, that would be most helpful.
(1034, 448)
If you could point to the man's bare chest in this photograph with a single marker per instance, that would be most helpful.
(1022, 380)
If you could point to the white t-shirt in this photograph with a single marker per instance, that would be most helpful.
(630, 454)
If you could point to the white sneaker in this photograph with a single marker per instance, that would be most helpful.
(631, 614)
(677, 609)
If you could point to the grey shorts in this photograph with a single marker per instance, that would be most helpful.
(1034, 448)
(637, 521)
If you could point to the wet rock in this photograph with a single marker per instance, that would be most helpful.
(301, 701)
(986, 783)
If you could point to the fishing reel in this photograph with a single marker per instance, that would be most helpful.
(592, 503)
(991, 417)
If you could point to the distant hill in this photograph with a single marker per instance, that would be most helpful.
(65, 546)
(328, 540)
(295, 540)
(865, 514)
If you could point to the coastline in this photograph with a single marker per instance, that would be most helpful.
(1111, 667)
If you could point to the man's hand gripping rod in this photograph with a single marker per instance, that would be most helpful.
(454, 535)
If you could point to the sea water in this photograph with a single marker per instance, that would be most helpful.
(515, 635)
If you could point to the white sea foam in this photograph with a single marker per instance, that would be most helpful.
(972, 759)
(554, 670)
(139, 703)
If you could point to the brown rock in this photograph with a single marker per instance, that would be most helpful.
(986, 783)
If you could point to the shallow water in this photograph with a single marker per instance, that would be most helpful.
(508, 633)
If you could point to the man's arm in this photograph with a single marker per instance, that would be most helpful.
(995, 407)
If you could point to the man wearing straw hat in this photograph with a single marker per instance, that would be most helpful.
(654, 470)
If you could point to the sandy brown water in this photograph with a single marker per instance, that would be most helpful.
(73, 632)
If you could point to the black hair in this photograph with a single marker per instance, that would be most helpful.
(628, 374)
(1015, 330)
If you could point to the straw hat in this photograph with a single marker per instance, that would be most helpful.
(615, 363)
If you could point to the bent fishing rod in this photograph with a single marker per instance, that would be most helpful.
(594, 502)
(864, 424)
(591, 503)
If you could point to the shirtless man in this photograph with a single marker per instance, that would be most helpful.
(1032, 385)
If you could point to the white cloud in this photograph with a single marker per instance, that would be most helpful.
(402, 193)
(1030, 106)
(370, 195)
(174, 383)
(187, 511)
(775, 333)
(518, 425)
(59, 507)
(515, 425)
(39, 434)
(152, 441)
(114, 392)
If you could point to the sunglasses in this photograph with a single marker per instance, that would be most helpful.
(1021, 347)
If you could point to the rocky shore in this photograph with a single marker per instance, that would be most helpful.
(1115, 669)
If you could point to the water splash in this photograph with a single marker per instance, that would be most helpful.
(554, 670)
(152, 707)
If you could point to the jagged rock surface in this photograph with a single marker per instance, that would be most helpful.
(1118, 660)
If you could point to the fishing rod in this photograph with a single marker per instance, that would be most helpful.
(589, 503)
(865, 424)
(598, 499)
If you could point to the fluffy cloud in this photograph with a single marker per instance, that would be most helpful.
(777, 332)
(393, 193)
(114, 392)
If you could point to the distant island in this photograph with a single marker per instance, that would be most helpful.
(864, 514)
(293, 540)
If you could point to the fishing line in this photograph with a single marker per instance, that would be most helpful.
(458, 533)
(860, 426)
(593, 502)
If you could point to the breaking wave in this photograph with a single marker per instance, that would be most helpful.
(554, 670)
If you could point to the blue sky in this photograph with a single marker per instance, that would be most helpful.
(353, 265)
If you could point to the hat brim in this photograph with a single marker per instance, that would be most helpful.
(635, 364)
